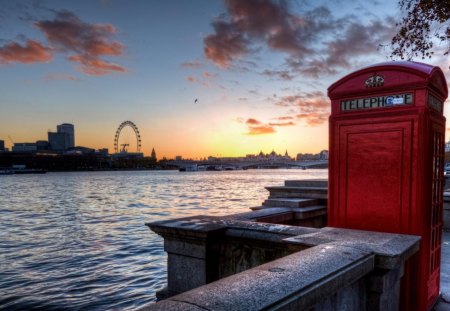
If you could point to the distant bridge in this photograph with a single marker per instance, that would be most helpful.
(249, 164)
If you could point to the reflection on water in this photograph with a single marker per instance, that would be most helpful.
(78, 240)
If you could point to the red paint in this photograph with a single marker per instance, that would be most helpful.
(386, 163)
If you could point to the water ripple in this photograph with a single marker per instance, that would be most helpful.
(78, 241)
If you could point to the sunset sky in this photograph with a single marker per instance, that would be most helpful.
(259, 69)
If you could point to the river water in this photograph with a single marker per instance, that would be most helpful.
(78, 241)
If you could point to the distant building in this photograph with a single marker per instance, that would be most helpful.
(178, 158)
(2, 145)
(153, 155)
(63, 139)
(68, 129)
(103, 152)
(57, 141)
(24, 147)
(324, 155)
(128, 155)
(42, 145)
(79, 150)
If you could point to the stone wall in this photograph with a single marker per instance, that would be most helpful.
(327, 269)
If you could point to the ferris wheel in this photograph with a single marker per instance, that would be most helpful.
(126, 144)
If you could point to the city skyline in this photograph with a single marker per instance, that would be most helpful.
(204, 78)
(56, 142)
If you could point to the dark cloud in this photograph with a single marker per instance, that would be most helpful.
(315, 42)
(355, 39)
(359, 40)
(90, 42)
(31, 52)
(279, 74)
(270, 22)
(225, 45)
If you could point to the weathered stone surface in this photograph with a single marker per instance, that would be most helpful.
(196, 227)
(314, 215)
(171, 305)
(295, 282)
(298, 192)
(185, 273)
(323, 183)
(290, 202)
(391, 249)
(259, 213)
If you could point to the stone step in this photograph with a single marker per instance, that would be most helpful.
(323, 183)
(297, 192)
(290, 202)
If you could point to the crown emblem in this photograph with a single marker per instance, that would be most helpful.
(374, 81)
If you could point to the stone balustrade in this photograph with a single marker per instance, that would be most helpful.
(226, 264)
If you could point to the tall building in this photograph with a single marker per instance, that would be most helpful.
(153, 156)
(63, 139)
(68, 129)
(57, 141)
(2, 145)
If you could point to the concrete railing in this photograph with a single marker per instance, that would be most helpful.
(282, 267)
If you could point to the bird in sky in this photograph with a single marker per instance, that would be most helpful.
(196, 100)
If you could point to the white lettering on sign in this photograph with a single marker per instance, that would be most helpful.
(377, 102)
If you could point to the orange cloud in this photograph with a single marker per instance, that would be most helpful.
(194, 79)
(313, 118)
(209, 75)
(282, 123)
(31, 52)
(256, 127)
(252, 121)
(312, 108)
(261, 130)
(283, 118)
(95, 67)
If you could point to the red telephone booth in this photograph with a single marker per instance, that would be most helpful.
(386, 161)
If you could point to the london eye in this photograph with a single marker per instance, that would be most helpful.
(123, 146)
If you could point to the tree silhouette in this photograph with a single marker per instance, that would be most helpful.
(426, 23)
